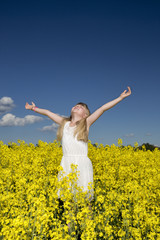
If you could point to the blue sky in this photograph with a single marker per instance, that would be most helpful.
(58, 53)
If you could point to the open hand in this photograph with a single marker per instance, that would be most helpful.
(126, 94)
(30, 107)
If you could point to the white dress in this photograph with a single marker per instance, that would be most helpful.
(75, 152)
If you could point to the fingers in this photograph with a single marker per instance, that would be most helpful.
(129, 89)
(26, 106)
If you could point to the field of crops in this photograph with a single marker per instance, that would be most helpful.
(126, 201)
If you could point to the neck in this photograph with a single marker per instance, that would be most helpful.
(75, 118)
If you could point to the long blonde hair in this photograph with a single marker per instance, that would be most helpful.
(81, 126)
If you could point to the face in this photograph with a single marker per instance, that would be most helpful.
(80, 110)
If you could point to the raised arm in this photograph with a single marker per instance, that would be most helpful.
(55, 117)
(94, 116)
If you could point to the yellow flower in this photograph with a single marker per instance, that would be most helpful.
(126, 191)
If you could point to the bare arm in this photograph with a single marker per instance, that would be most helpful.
(94, 116)
(55, 117)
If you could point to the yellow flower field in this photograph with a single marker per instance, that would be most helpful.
(126, 201)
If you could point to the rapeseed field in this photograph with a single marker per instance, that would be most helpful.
(126, 201)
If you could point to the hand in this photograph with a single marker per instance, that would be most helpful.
(126, 94)
(30, 107)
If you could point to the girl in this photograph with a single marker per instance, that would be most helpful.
(73, 132)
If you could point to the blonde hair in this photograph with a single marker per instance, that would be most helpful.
(81, 126)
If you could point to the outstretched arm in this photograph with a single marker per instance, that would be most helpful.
(55, 117)
(94, 116)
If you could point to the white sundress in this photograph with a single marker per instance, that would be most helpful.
(76, 152)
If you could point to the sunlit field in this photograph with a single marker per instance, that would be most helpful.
(126, 201)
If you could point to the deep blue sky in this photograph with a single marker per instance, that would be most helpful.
(57, 53)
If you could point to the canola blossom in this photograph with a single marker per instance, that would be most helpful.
(126, 201)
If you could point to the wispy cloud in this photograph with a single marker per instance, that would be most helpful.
(11, 120)
(6, 104)
(129, 135)
(148, 134)
(52, 128)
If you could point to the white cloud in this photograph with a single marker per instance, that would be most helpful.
(52, 128)
(11, 120)
(148, 134)
(156, 145)
(6, 104)
(129, 135)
